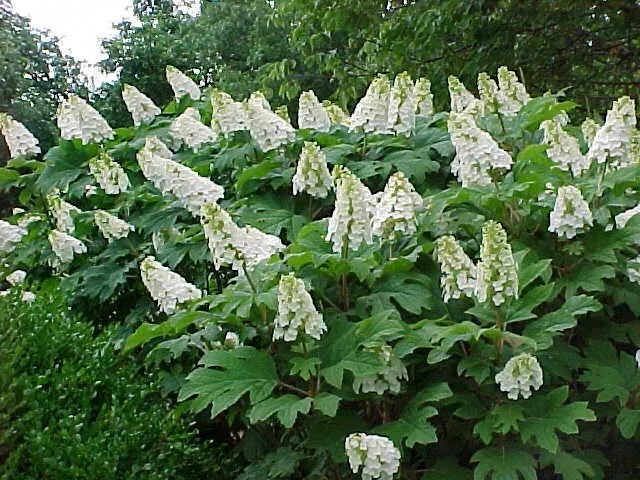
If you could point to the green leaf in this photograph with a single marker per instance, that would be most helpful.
(271, 215)
(326, 403)
(602, 246)
(234, 374)
(305, 367)
(175, 325)
(252, 178)
(589, 277)
(522, 308)
(64, 164)
(627, 422)
(568, 466)
(411, 428)
(508, 462)
(409, 291)
(447, 469)
(547, 413)
(286, 409)
(501, 420)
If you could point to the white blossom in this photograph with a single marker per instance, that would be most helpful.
(311, 113)
(476, 151)
(512, 95)
(372, 111)
(520, 375)
(350, 224)
(396, 209)
(110, 226)
(64, 246)
(378, 456)
(231, 340)
(188, 129)
(388, 378)
(401, 117)
(563, 148)
(633, 270)
(612, 141)
(181, 84)
(141, 107)
(167, 288)
(257, 99)
(10, 236)
(78, 119)
(336, 114)
(423, 98)
(28, 219)
(61, 212)
(488, 91)
(28, 297)
(110, 175)
(571, 214)
(20, 141)
(5, 293)
(462, 100)
(256, 246)
(191, 190)
(638, 358)
(268, 129)
(458, 271)
(312, 174)
(497, 275)
(589, 129)
(624, 217)
(296, 312)
(283, 112)
(16, 277)
(227, 115)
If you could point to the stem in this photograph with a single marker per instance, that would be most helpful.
(293, 388)
(263, 310)
(344, 287)
(501, 326)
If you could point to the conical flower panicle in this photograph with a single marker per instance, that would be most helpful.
(458, 271)
(256, 246)
(589, 129)
(462, 100)
(571, 214)
(388, 378)
(296, 312)
(512, 95)
(612, 142)
(78, 119)
(258, 100)
(10, 236)
(336, 114)
(311, 113)
(520, 375)
(110, 175)
(402, 106)
(488, 91)
(181, 84)
(267, 129)
(64, 246)
(110, 226)
(141, 107)
(350, 223)
(563, 148)
(227, 115)
(61, 212)
(397, 208)
(167, 288)
(497, 275)
(188, 129)
(312, 174)
(20, 141)
(16, 277)
(378, 456)
(372, 111)
(476, 152)
(423, 98)
(624, 217)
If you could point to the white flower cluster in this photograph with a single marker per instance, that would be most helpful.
(16, 277)
(512, 95)
(296, 311)
(110, 175)
(258, 100)
(78, 119)
(64, 246)
(423, 97)
(612, 141)
(167, 288)
(28, 297)
(268, 129)
(110, 226)
(336, 114)
(20, 141)
(388, 378)
(233, 246)
(462, 100)
(563, 148)
(283, 112)
(401, 118)
(311, 113)
(312, 174)
(188, 129)
(396, 209)
(61, 212)
(350, 223)
(476, 152)
(571, 214)
(168, 176)
(497, 275)
(624, 217)
(458, 271)
(488, 91)
(633, 270)
(520, 375)
(372, 111)
(141, 107)
(227, 115)
(10, 236)
(589, 129)
(181, 84)
(378, 456)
